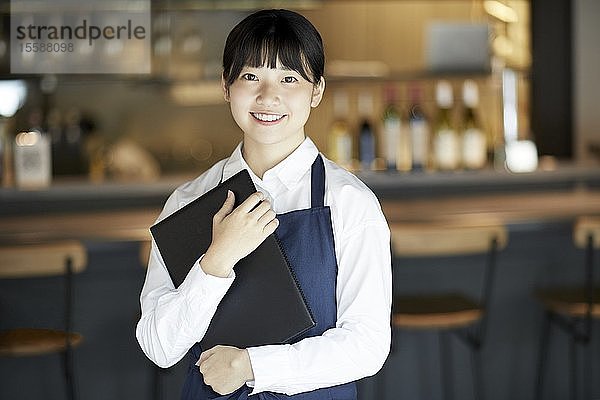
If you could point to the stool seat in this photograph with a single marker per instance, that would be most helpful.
(569, 301)
(30, 342)
(439, 311)
(573, 309)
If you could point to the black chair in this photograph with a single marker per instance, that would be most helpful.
(44, 260)
(573, 310)
(448, 313)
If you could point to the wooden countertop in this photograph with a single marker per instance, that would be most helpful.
(133, 224)
(514, 208)
(113, 225)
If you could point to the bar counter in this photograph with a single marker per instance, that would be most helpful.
(124, 212)
(132, 224)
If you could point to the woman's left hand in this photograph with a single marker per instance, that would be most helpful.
(225, 368)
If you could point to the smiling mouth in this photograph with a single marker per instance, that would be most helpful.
(262, 117)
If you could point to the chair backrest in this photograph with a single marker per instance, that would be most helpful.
(445, 239)
(41, 259)
(584, 227)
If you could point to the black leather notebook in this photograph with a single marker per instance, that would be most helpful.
(264, 305)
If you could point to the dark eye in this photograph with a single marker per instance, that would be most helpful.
(290, 79)
(249, 77)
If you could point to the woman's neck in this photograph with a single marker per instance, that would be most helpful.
(261, 158)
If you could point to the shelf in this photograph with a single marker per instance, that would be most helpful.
(398, 185)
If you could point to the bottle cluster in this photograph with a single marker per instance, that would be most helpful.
(404, 136)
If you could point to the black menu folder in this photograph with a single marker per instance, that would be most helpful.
(264, 305)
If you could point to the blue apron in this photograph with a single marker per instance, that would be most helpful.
(307, 239)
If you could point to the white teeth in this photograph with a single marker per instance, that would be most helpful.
(267, 117)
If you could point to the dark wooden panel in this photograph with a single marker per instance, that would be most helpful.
(551, 77)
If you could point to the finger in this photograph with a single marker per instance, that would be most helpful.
(202, 368)
(202, 364)
(205, 355)
(263, 207)
(226, 208)
(271, 227)
(267, 217)
(251, 202)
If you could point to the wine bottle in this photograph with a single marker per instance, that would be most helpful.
(392, 126)
(474, 147)
(366, 136)
(446, 148)
(339, 141)
(419, 130)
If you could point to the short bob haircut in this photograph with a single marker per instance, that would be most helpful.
(267, 36)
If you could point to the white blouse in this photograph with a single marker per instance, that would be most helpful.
(173, 320)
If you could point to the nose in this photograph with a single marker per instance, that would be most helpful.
(267, 95)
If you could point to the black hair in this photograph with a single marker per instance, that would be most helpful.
(270, 35)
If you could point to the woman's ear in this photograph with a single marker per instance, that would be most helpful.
(317, 94)
(225, 89)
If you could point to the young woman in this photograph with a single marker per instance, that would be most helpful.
(327, 220)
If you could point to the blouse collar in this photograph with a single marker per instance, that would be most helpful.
(288, 172)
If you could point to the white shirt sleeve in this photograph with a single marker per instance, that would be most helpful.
(174, 319)
(359, 344)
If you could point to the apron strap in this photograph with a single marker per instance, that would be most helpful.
(317, 183)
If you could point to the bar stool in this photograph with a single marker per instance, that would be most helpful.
(572, 309)
(157, 372)
(44, 260)
(448, 313)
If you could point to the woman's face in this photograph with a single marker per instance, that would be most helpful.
(272, 105)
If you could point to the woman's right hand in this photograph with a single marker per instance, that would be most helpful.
(237, 232)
